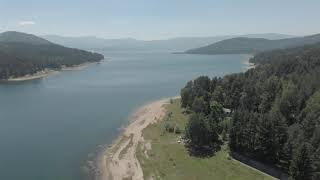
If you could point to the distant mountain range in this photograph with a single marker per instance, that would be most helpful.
(174, 44)
(244, 45)
(22, 54)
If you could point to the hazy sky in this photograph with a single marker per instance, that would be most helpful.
(160, 19)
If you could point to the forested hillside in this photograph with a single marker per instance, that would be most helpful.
(243, 45)
(22, 54)
(275, 110)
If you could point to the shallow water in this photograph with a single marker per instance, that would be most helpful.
(49, 126)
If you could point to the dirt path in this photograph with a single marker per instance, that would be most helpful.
(119, 161)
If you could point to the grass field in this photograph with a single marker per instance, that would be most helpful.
(168, 159)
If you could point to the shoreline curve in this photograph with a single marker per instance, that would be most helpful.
(118, 161)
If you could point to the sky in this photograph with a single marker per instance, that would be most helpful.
(159, 19)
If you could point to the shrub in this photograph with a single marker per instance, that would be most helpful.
(169, 127)
(177, 130)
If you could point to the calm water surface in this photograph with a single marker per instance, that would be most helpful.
(48, 127)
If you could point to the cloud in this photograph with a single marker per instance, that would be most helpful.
(26, 23)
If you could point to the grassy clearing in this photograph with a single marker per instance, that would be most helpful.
(170, 160)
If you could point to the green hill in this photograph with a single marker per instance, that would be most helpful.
(244, 45)
(18, 37)
(22, 54)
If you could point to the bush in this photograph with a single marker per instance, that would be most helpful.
(177, 130)
(169, 127)
(224, 135)
(168, 116)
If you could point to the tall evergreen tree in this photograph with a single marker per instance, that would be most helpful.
(199, 133)
(301, 166)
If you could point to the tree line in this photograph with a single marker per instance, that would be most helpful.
(275, 110)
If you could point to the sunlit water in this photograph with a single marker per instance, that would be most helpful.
(48, 127)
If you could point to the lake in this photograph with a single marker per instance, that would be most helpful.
(49, 127)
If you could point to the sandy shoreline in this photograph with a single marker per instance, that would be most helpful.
(28, 77)
(119, 160)
(77, 67)
(46, 72)
(248, 64)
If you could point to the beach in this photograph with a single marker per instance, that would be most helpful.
(46, 72)
(119, 160)
(76, 67)
(37, 75)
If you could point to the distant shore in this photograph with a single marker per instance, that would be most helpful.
(38, 75)
(249, 65)
(46, 72)
(119, 160)
(77, 67)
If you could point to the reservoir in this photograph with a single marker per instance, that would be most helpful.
(49, 127)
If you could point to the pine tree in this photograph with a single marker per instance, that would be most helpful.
(301, 166)
(186, 95)
(199, 106)
(199, 132)
(279, 131)
(285, 156)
